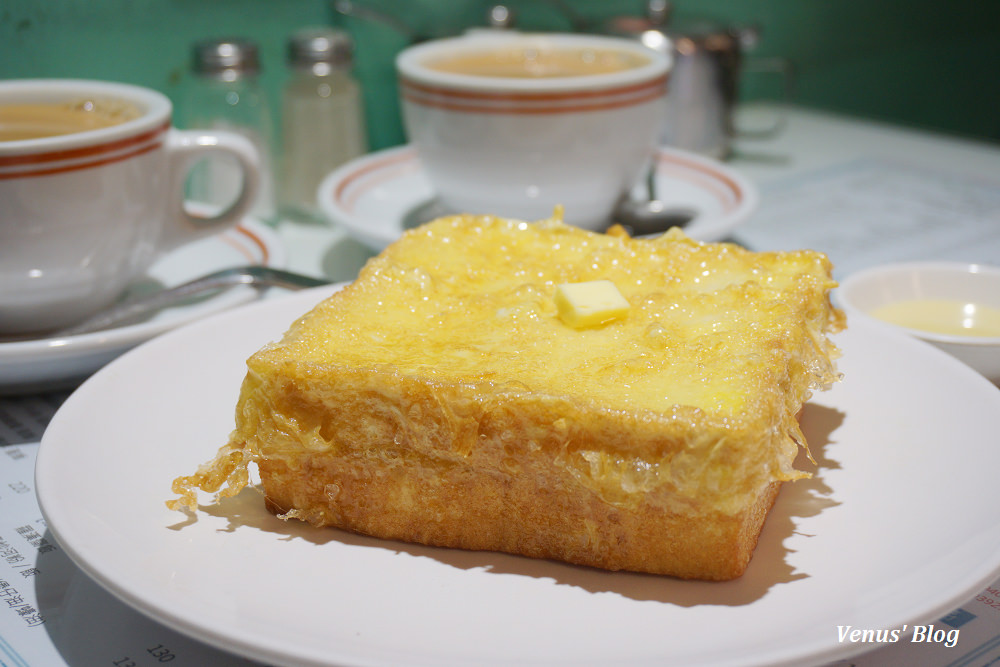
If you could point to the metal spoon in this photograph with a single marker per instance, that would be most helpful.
(643, 217)
(137, 307)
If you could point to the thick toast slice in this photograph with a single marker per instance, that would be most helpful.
(441, 399)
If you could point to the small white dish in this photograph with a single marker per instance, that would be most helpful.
(378, 196)
(956, 284)
(31, 365)
(850, 547)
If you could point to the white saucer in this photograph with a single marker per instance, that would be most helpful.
(52, 363)
(378, 196)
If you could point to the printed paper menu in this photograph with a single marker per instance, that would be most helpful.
(870, 211)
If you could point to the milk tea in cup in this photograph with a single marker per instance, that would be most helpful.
(36, 120)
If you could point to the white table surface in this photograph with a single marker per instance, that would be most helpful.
(814, 139)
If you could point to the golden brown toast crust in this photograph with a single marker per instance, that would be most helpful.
(527, 517)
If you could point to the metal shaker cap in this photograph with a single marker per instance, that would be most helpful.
(226, 58)
(313, 46)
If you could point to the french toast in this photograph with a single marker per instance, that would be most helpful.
(441, 398)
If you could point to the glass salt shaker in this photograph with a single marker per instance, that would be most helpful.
(322, 117)
(224, 93)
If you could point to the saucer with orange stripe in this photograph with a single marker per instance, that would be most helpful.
(377, 197)
(40, 364)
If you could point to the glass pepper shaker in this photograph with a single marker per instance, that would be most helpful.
(224, 93)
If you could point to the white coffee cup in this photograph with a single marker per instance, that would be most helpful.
(519, 145)
(83, 214)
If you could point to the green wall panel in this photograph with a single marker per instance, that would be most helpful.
(924, 63)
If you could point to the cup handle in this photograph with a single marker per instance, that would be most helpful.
(184, 148)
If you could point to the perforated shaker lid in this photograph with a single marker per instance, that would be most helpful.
(310, 46)
(235, 56)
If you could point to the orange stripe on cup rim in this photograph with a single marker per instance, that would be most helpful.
(532, 96)
(523, 109)
(534, 103)
(78, 166)
(94, 151)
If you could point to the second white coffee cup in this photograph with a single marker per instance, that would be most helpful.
(513, 124)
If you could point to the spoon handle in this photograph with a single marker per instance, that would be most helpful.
(135, 308)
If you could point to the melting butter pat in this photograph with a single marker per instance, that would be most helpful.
(590, 304)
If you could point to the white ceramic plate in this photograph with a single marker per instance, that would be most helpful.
(380, 195)
(898, 527)
(40, 364)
